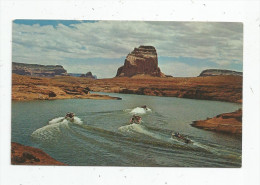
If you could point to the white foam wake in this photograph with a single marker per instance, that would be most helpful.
(137, 128)
(53, 131)
(63, 120)
(139, 110)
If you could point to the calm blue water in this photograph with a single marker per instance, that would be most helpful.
(101, 136)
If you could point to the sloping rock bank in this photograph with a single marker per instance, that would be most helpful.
(26, 155)
(142, 60)
(32, 88)
(228, 123)
(38, 70)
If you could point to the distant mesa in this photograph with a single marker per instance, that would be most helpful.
(142, 60)
(217, 72)
(38, 70)
(89, 75)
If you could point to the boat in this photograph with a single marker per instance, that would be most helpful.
(70, 116)
(181, 138)
(135, 119)
(144, 107)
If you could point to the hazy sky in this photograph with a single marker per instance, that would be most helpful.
(183, 48)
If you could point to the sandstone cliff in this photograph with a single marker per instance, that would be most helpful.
(142, 60)
(217, 72)
(38, 70)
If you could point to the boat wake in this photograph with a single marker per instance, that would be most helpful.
(137, 129)
(63, 120)
(53, 131)
(140, 110)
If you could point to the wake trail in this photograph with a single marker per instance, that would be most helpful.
(55, 129)
(138, 110)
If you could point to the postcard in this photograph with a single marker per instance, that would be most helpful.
(127, 93)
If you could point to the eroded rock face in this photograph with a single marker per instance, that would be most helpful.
(38, 70)
(142, 60)
(217, 72)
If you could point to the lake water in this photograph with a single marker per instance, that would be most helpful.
(101, 134)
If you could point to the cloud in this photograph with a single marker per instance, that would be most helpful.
(181, 69)
(219, 43)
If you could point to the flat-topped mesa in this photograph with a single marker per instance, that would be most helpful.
(141, 61)
(38, 70)
(217, 72)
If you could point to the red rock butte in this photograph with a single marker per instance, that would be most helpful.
(141, 61)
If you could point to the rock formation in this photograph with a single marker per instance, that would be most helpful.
(217, 72)
(142, 60)
(26, 88)
(220, 88)
(89, 75)
(27, 155)
(38, 70)
(228, 123)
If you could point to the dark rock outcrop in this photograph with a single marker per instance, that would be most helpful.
(142, 60)
(217, 72)
(89, 75)
(38, 70)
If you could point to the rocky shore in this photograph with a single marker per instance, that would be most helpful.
(220, 88)
(26, 88)
(26, 155)
(227, 123)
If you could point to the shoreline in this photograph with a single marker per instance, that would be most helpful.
(90, 96)
(216, 88)
(230, 123)
(27, 155)
(27, 88)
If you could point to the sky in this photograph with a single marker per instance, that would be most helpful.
(184, 49)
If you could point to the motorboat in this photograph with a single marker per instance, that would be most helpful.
(179, 137)
(135, 119)
(70, 116)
